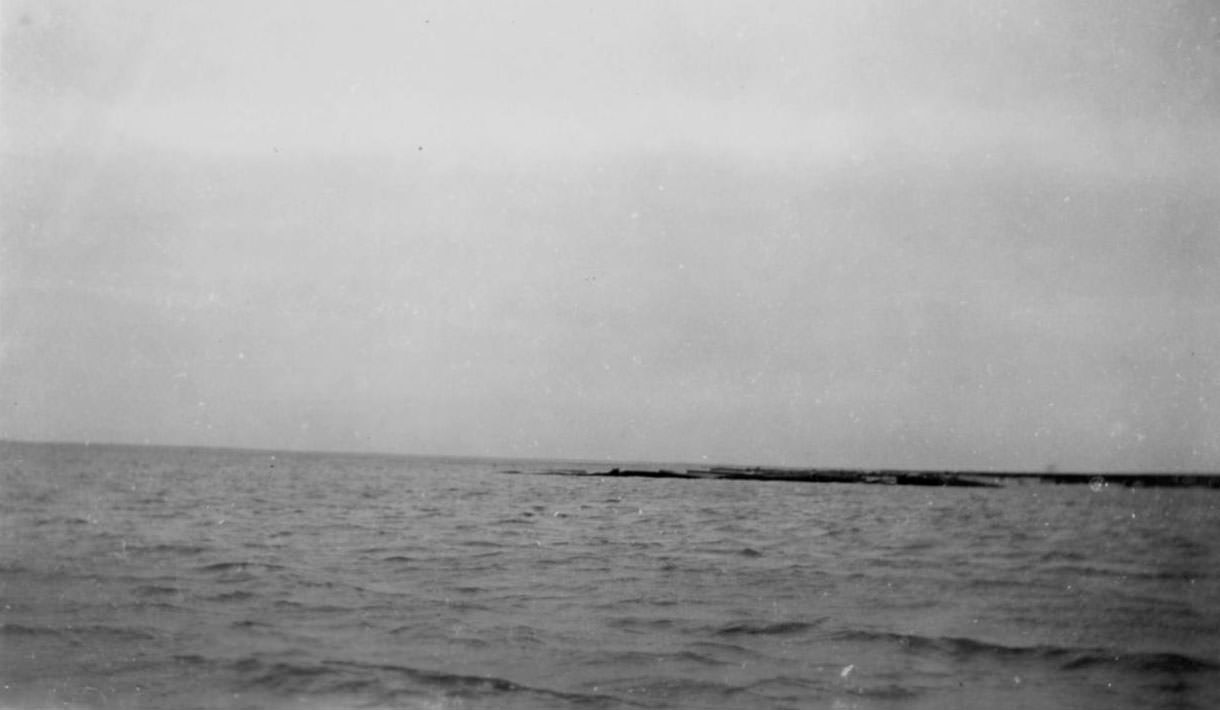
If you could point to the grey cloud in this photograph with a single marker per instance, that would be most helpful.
(965, 235)
(851, 317)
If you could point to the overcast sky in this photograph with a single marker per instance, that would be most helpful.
(960, 233)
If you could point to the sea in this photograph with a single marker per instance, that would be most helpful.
(179, 578)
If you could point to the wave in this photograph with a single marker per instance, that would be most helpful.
(789, 687)
(156, 590)
(61, 520)
(238, 571)
(283, 604)
(234, 596)
(238, 567)
(781, 628)
(675, 692)
(384, 682)
(1146, 662)
(1065, 657)
(730, 652)
(77, 634)
(176, 548)
(1125, 574)
(647, 658)
(796, 689)
(23, 630)
(527, 518)
(635, 624)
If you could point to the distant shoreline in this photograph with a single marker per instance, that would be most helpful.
(961, 478)
(894, 477)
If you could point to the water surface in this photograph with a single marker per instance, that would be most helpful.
(176, 578)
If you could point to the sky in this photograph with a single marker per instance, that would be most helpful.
(948, 234)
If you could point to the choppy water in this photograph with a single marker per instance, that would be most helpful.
(163, 578)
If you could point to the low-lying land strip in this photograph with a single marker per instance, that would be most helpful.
(895, 477)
